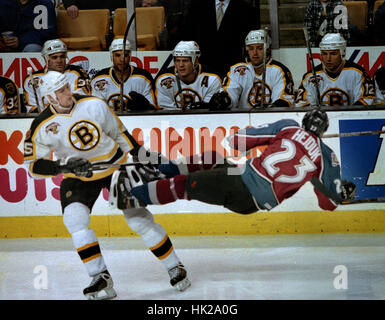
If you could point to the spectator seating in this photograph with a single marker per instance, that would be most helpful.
(149, 22)
(87, 32)
(358, 13)
(376, 5)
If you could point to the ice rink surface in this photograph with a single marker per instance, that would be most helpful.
(255, 267)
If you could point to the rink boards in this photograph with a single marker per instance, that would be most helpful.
(31, 208)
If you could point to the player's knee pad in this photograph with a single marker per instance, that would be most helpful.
(76, 217)
(139, 220)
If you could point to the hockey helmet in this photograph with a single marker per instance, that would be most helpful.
(51, 47)
(117, 44)
(333, 41)
(187, 49)
(51, 82)
(316, 121)
(258, 36)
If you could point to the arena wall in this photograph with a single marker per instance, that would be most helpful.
(31, 208)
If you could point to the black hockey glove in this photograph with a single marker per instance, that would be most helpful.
(348, 190)
(147, 156)
(149, 172)
(220, 101)
(138, 102)
(80, 167)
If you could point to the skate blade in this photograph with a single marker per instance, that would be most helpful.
(109, 294)
(182, 285)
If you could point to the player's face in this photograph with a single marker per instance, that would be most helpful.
(57, 62)
(331, 59)
(64, 96)
(184, 66)
(117, 59)
(255, 52)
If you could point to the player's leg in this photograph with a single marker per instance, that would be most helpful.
(77, 199)
(216, 187)
(156, 239)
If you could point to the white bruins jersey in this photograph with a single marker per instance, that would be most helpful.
(78, 79)
(9, 96)
(106, 86)
(91, 130)
(201, 89)
(351, 86)
(380, 95)
(244, 86)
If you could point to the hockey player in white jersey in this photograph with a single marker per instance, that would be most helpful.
(138, 92)
(90, 133)
(244, 81)
(186, 85)
(54, 53)
(340, 82)
(379, 81)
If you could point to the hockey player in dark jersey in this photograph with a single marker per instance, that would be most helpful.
(340, 82)
(138, 86)
(9, 97)
(54, 53)
(294, 155)
(81, 131)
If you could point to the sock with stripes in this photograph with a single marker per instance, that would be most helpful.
(162, 191)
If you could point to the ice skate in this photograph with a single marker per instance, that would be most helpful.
(101, 282)
(178, 277)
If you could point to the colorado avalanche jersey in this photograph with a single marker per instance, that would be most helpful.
(9, 96)
(200, 89)
(292, 157)
(106, 86)
(91, 130)
(244, 86)
(351, 86)
(78, 79)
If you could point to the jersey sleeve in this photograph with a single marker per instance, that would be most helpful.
(306, 93)
(82, 83)
(364, 92)
(9, 97)
(99, 87)
(283, 90)
(214, 87)
(232, 83)
(164, 89)
(115, 129)
(330, 177)
(246, 139)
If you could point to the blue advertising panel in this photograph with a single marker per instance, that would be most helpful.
(363, 157)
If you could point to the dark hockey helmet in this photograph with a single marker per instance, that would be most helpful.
(316, 121)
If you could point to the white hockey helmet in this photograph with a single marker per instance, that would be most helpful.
(258, 36)
(187, 49)
(51, 47)
(51, 82)
(117, 44)
(333, 41)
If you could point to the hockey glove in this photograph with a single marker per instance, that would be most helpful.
(80, 167)
(149, 173)
(138, 102)
(220, 101)
(348, 190)
(147, 156)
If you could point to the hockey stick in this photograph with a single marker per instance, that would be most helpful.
(352, 134)
(29, 70)
(264, 70)
(312, 66)
(325, 191)
(124, 59)
(370, 200)
(180, 94)
(105, 166)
